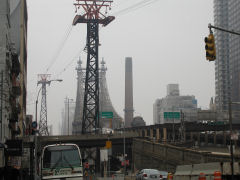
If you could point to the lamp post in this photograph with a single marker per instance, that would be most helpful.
(124, 151)
(231, 134)
(37, 103)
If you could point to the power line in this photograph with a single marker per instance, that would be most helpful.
(129, 9)
(60, 47)
(133, 7)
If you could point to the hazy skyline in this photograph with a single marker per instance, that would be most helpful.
(165, 40)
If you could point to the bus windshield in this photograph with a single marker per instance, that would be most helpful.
(61, 156)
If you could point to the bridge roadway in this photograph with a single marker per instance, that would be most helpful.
(83, 141)
(189, 127)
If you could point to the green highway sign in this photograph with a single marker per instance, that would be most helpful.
(171, 115)
(107, 114)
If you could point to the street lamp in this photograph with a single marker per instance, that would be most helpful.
(36, 104)
(124, 151)
(230, 127)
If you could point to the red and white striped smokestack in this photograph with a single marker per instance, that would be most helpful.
(128, 111)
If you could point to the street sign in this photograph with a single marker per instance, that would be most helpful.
(107, 114)
(34, 124)
(171, 115)
(108, 144)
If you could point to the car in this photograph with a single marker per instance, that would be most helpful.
(163, 175)
(151, 174)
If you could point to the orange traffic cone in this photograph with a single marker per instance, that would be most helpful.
(217, 175)
(202, 176)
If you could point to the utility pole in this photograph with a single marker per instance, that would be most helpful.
(229, 102)
(43, 129)
(91, 15)
(44, 80)
(182, 127)
(1, 105)
(231, 143)
(124, 151)
(231, 134)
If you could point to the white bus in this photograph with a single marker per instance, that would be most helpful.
(61, 161)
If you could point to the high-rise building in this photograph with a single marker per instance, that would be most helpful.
(222, 81)
(234, 50)
(227, 66)
(128, 111)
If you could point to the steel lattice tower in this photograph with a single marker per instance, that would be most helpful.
(43, 128)
(92, 16)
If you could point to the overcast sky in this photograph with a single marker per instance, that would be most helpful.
(164, 38)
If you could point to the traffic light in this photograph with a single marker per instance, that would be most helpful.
(210, 47)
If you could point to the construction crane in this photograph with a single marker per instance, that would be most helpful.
(91, 14)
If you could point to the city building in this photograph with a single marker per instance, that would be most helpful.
(174, 102)
(18, 33)
(13, 59)
(13, 78)
(227, 67)
(5, 68)
(222, 76)
(138, 121)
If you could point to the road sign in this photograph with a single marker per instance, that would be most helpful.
(107, 114)
(34, 124)
(171, 115)
(108, 144)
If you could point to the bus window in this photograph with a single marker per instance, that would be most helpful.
(61, 161)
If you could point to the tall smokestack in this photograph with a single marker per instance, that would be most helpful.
(128, 111)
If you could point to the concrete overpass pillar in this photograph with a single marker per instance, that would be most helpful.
(145, 132)
(206, 138)
(164, 135)
(151, 133)
(199, 139)
(224, 138)
(215, 138)
(157, 134)
(139, 132)
(191, 136)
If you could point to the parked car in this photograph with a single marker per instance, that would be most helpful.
(151, 174)
(163, 175)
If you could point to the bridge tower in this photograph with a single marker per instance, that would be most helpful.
(90, 13)
(78, 115)
(105, 104)
(43, 128)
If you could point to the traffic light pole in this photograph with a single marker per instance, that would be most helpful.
(221, 29)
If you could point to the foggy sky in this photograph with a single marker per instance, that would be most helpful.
(165, 40)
